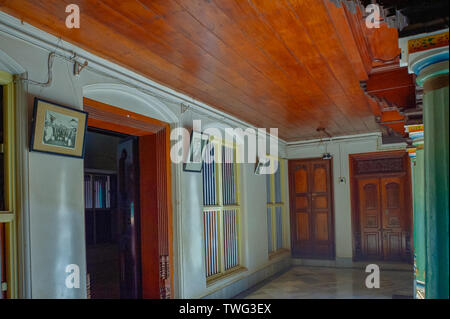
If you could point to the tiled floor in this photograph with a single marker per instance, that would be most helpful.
(332, 283)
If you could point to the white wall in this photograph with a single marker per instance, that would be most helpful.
(253, 232)
(52, 214)
(340, 149)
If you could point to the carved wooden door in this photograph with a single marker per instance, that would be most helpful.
(370, 218)
(311, 208)
(383, 220)
(393, 217)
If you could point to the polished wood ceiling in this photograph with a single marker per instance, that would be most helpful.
(291, 64)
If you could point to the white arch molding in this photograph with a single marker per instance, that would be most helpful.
(130, 99)
(9, 65)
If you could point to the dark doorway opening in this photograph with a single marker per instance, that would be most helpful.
(150, 274)
(111, 184)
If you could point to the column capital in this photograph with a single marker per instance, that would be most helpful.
(426, 55)
(437, 73)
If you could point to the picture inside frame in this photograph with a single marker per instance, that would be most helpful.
(60, 130)
(263, 165)
(194, 160)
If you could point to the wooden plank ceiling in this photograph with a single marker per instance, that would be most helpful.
(291, 64)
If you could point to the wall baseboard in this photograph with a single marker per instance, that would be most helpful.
(251, 280)
(349, 263)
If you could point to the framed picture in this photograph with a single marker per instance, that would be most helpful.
(58, 129)
(262, 166)
(194, 160)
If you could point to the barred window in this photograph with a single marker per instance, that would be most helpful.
(275, 207)
(221, 209)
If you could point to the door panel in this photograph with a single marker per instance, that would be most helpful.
(302, 202)
(372, 244)
(319, 173)
(383, 219)
(392, 190)
(370, 219)
(302, 226)
(311, 209)
(393, 245)
(321, 226)
(301, 179)
(320, 202)
(129, 215)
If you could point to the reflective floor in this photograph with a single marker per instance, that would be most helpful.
(332, 283)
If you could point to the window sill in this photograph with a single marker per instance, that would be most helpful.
(222, 276)
(279, 253)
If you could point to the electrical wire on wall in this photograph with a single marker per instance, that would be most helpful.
(340, 161)
(326, 155)
(51, 57)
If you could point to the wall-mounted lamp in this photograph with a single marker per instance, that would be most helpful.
(326, 155)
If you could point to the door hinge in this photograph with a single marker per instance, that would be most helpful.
(4, 286)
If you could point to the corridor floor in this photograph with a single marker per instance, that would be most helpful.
(332, 283)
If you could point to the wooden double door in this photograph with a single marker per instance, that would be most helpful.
(311, 207)
(384, 222)
(381, 206)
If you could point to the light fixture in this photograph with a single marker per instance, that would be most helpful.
(326, 155)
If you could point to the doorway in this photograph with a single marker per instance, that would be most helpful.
(140, 184)
(311, 206)
(111, 177)
(381, 206)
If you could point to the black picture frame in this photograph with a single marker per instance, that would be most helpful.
(262, 163)
(63, 147)
(189, 165)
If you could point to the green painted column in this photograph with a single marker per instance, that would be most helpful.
(419, 222)
(434, 79)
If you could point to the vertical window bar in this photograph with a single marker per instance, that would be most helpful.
(279, 227)
(213, 175)
(228, 176)
(234, 239)
(216, 248)
(213, 240)
(230, 239)
(226, 240)
(224, 178)
(209, 186)
(278, 183)
(211, 243)
(204, 186)
(233, 179)
(268, 188)
(269, 229)
(207, 244)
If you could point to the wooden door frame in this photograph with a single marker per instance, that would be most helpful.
(292, 206)
(157, 241)
(354, 202)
